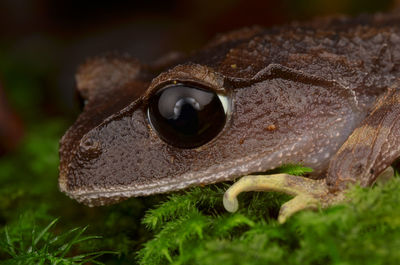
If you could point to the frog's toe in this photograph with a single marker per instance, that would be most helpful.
(308, 193)
(230, 202)
(298, 203)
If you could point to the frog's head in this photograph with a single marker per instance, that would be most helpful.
(194, 125)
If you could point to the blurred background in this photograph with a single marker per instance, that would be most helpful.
(43, 41)
(41, 44)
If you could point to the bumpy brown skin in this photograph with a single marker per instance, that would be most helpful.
(296, 94)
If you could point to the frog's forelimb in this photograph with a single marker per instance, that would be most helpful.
(308, 193)
(371, 148)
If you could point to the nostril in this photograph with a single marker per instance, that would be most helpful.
(89, 143)
(90, 147)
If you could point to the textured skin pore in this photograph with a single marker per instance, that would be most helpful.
(296, 93)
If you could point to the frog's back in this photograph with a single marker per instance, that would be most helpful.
(361, 53)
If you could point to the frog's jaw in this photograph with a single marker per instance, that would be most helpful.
(216, 173)
(110, 195)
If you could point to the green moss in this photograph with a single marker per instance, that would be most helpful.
(191, 228)
(44, 247)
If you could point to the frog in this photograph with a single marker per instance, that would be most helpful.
(323, 93)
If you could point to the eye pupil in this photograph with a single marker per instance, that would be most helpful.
(186, 120)
(186, 116)
(184, 105)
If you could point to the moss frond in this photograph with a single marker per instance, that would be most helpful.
(41, 246)
(292, 169)
(182, 204)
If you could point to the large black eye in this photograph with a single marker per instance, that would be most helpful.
(186, 116)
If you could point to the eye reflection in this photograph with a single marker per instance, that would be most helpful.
(186, 116)
(180, 103)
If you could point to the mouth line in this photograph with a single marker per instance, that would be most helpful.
(163, 188)
(89, 197)
(251, 164)
(231, 171)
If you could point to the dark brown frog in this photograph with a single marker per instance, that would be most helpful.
(324, 94)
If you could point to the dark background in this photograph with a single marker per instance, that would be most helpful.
(43, 41)
(58, 35)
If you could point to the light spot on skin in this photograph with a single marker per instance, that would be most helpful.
(243, 169)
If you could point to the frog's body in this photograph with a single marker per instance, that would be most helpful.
(296, 94)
